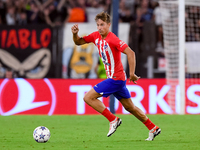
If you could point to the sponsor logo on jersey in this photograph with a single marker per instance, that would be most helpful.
(121, 43)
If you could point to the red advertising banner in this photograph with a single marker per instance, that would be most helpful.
(65, 96)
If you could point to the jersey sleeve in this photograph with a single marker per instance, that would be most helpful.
(120, 45)
(89, 38)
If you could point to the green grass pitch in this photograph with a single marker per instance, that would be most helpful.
(88, 132)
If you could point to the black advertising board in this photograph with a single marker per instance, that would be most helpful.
(26, 50)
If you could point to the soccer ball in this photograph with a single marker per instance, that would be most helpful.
(41, 134)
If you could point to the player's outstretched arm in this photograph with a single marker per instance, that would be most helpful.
(132, 63)
(77, 40)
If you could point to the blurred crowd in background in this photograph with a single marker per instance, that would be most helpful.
(58, 12)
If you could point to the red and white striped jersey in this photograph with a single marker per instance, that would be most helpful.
(110, 50)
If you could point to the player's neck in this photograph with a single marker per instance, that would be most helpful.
(105, 35)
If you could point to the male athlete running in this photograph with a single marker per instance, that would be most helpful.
(110, 48)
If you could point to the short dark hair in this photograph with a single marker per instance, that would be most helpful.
(103, 16)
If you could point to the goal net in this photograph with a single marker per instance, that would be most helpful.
(181, 32)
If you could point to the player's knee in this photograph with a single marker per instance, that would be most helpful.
(85, 98)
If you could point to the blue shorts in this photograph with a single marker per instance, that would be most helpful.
(115, 87)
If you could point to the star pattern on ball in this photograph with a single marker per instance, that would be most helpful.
(42, 136)
(43, 128)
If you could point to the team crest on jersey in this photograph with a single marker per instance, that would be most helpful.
(105, 47)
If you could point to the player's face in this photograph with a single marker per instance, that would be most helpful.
(103, 27)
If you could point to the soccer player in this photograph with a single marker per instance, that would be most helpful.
(110, 48)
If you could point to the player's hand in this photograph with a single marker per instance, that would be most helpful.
(134, 78)
(75, 29)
